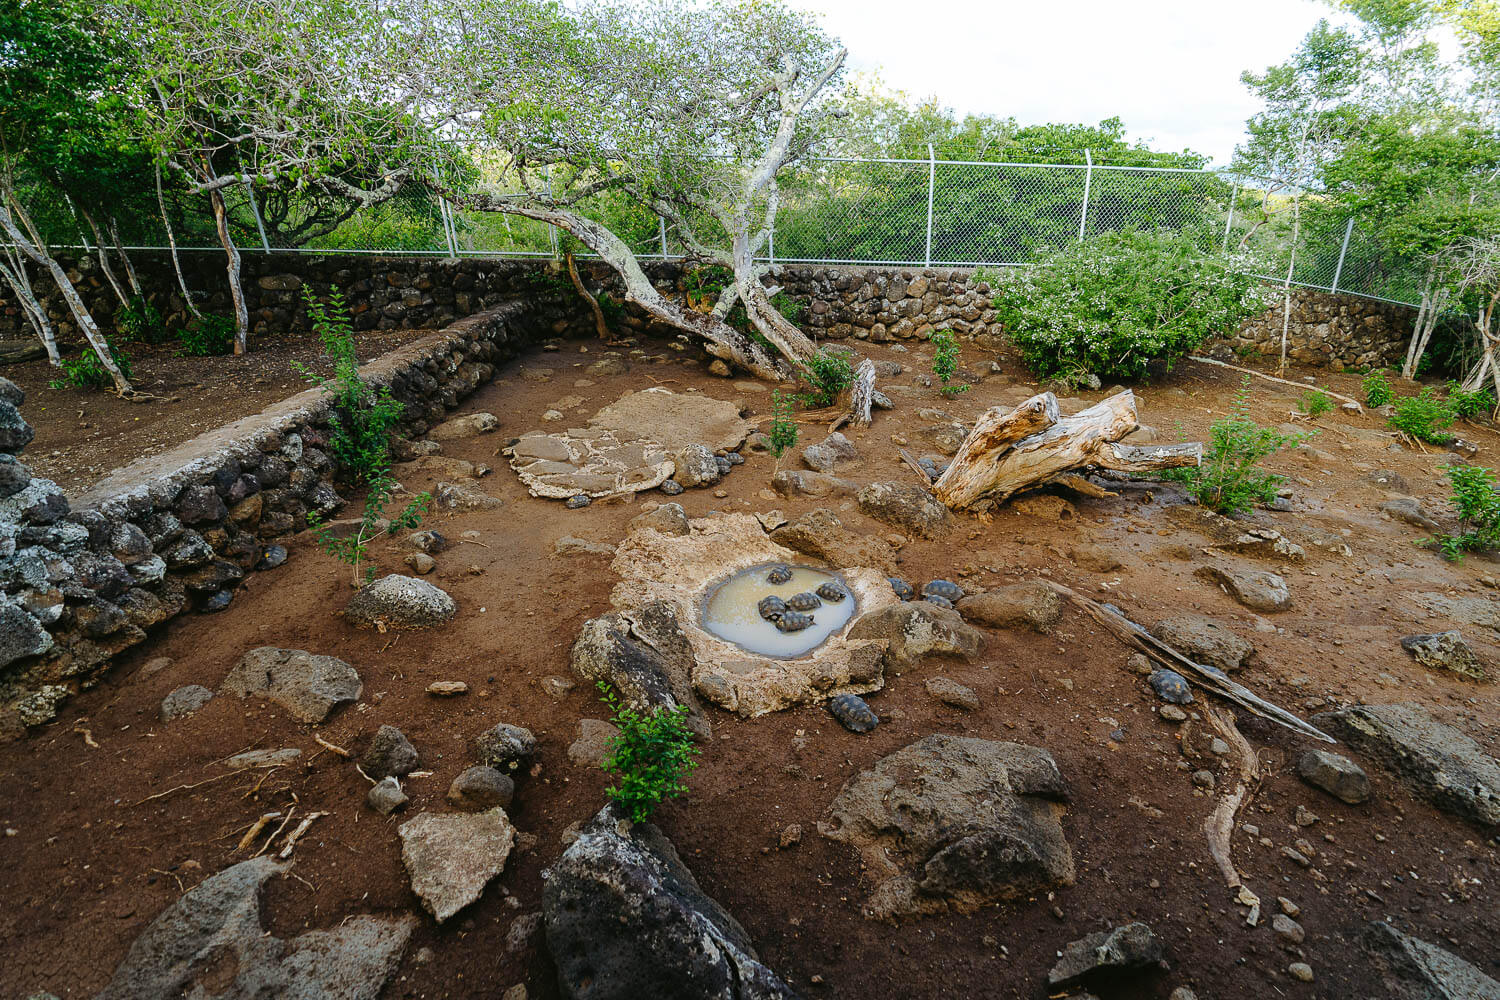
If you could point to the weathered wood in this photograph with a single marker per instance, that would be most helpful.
(862, 393)
(600, 326)
(1013, 450)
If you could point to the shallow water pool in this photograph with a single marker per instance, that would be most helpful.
(730, 610)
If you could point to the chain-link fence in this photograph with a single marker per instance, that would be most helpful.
(844, 211)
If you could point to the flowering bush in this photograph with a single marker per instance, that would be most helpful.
(1114, 303)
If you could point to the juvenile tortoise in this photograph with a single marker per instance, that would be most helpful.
(779, 574)
(941, 602)
(771, 607)
(1171, 686)
(831, 590)
(901, 588)
(853, 714)
(943, 588)
(794, 621)
(804, 601)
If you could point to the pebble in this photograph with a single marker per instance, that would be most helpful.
(421, 563)
(1219, 747)
(1305, 816)
(721, 494)
(447, 689)
(1288, 929)
(1141, 664)
(1172, 713)
(386, 796)
(1301, 970)
(1204, 779)
(1292, 854)
(557, 686)
(791, 835)
(1288, 907)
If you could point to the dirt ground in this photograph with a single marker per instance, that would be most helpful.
(97, 843)
(83, 434)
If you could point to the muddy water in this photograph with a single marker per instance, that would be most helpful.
(730, 611)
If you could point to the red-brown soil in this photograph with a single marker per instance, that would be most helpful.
(87, 863)
(82, 434)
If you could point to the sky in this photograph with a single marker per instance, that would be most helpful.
(1170, 69)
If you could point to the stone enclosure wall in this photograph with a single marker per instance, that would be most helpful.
(878, 304)
(82, 580)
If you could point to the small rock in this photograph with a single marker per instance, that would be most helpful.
(451, 857)
(1287, 929)
(505, 747)
(951, 692)
(906, 506)
(1445, 650)
(399, 602)
(306, 685)
(594, 743)
(467, 426)
(1301, 971)
(263, 758)
(184, 702)
(1141, 664)
(390, 753)
(1335, 774)
(1288, 907)
(570, 545)
(1411, 511)
(1305, 816)
(386, 796)
(1130, 948)
(479, 787)
(695, 466)
(420, 563)
(1033, 604)
(1172, 713)
(556, 686)
(1255, 589)
(447, 689)
(669, 519)
(430, 542)
(1204, 780)
(791, 836)
(826, 455)
(853, 713)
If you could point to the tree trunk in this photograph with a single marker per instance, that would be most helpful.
(14, 271)
(767, 320)
(236, 292)
(1013, 450)
(1416, 346)
(1291, 264)
(130, 275)
(109, 272)
(166, 221)
(600, 326)
(70, 295)
(862, 394)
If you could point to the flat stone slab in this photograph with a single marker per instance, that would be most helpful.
(676, 420)
(213, 935)
(594, 462)
(1410, 967)
(451, 857)
(1436, 761)
(305, 684)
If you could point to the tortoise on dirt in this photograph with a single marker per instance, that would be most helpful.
(941, 602)
(943, 588)
(771, 607)
(831, 591)
(794, 621)
(853, 714)
(804, 601)
(780, 573)
(1171, 686)
(902, 589)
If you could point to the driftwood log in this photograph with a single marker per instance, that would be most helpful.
(1010, 450)
(862, 394)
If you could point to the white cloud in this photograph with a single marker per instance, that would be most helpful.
(1169, 68)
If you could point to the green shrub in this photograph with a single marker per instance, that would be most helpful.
(209, 337)
(945, 362)
(783, 432)
(1229, 479)
(652, 755)
(353, 549)
(1478, 507)
(1424, 416)
(828, 375)
(1469, 403)
(703, 285)
(790, 309)
(1316, 403)
(1114, 303)
(362, 418)
(138, 320)
(1377, 386)
(87, 372)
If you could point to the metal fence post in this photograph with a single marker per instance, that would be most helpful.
(1339, 269)
(931, 183)
(1229, 222)
(255, 211)
(1088, 180)
(662, 222)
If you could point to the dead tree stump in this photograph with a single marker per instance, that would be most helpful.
(1010, 450)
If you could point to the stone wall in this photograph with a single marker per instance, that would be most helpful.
(82, 580)
(878, 304)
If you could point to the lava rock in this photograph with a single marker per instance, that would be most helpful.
(15, 432)
(950, 692)
(184, 702)
(827, 454)
(669, 519)
(390, 753)
(819, 533)
(1205, 641)
(625, 920)
(1445, 650)
(14, 476)
(594, 743)
(954, 822)
(1255, 589)
(695, 466)
(21, 635)
(853, 713)
(1130, 948)
(506, 748)
(451, 857)
(307, 685)
(199, 504)
(1335, 774)
(214, 935)
(914, 629)
(906, 506)
(644, 656)
(480, 787)
(1033, 604)
(1407, 967)
(386, 796)
(399, 602)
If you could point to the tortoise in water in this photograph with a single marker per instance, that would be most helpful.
(1171, 686)
(831, 591)
(941, 602)
(803, 602)
(771, 607)
(780, 573)
(943, 588)
(902, 589)
(793, 621)
(853, 714)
